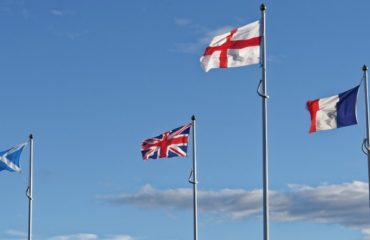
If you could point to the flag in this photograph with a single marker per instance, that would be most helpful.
(237, 48)
(169, 144)
(9, 159)
(333, 112)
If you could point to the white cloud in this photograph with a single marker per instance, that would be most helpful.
(68, 34)
(26, 14)
(16, 234)
(79, 236)
(182, 22)
(204, 36)
(15, 8)
(345, 204)
(119, 237)
(91, 236)
(60, 13)
(276, 58)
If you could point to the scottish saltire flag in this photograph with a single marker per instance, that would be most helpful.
(333, 112)
(169, 144)
(9, 159)
(239, 47)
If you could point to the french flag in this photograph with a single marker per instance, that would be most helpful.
(333, 112)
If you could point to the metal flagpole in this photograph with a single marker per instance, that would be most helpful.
(264, 131)
(364, 68)
(29, 190)
(193, 180)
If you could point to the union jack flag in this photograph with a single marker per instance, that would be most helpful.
(169, 144)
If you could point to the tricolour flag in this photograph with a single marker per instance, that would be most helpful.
(169, 144)
(237, 48)
(9, 159)
(333, 112)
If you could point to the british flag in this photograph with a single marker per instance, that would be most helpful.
(169, 144)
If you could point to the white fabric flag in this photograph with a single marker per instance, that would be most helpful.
(236, 48)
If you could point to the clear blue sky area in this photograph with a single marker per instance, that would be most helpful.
(92, 79)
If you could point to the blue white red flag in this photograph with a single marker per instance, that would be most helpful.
(333, 112)
(169, 144)
(9, 159)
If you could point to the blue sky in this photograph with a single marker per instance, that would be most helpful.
(92, 79)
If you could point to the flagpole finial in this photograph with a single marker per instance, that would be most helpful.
(263, 7)
(31, 136)
(364, 68)
(193, 118)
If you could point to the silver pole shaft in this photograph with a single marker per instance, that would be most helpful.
(264, 131)
(195, 180)
(364, 68)
(30, 189)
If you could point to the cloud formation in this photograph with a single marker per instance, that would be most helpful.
(182, 22)
(71, 35)
(119, 237)
(91, 236)
(80, 236)
(15, 8)
(345, 204)
(19, 235)
(60, 13)
(15, 234)
(205, 36)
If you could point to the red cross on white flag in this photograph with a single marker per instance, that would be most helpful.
(237, 48)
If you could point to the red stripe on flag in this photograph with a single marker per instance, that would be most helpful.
(231, 44)
(246, 43)
(313, 107)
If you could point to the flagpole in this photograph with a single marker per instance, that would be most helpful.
(194, 180)
(364, 69)
(29, 190)
(264, 131)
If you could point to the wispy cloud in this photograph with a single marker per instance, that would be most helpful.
(182, 22)
(71, 35)
(79, 236)
(15, 234)
(276, 58)
(345, 204)
(64, 32)
(60, 13)
(15, 8)
(26, 14)
(19, 235)
(204, 36)
(119, 237)
(91, 236)
(201, 42)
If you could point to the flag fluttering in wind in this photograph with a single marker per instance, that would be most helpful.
(9, 159)
(236, 48)
(172, 143)
(333, 112)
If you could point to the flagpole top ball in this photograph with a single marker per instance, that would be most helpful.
(193, 118)
(364, 68)
(31, 136)
(263, 7)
